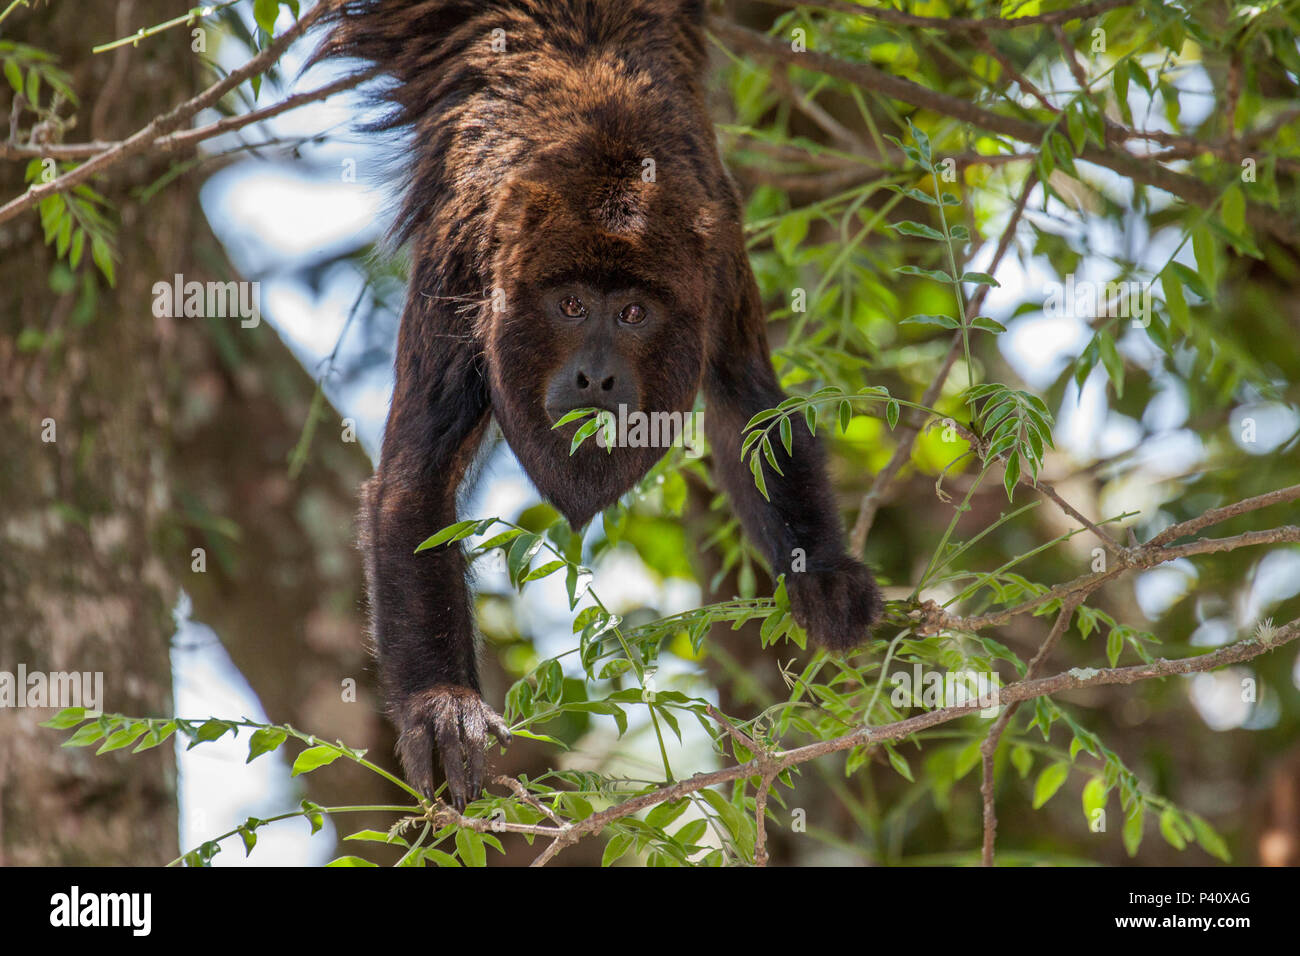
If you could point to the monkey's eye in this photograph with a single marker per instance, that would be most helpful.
(572, 306)
(632, 314)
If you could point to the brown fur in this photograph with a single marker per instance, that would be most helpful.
(526, 185)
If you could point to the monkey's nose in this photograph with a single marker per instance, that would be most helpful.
(594, 383)
(587, 384)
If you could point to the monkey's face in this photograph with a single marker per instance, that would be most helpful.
(589, 342)
(602, 341)
(601, 299)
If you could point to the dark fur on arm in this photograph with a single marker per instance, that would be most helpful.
(833, 596)
(421, 618)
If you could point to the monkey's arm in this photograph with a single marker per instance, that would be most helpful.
(833, 596)
(421, 619)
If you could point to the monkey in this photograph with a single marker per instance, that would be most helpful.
(563, 174)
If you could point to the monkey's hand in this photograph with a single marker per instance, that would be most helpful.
(836, 605)
(455, 721)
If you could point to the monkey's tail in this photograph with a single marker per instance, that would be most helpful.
(415, 44)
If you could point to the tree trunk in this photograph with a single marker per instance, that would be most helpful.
(168, 434)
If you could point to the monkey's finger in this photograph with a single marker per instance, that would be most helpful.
(474, 736)
(497, 725)
(453, 759)
(415, 750)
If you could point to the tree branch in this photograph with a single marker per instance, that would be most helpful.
(912, 424)
(168, 122)
(1019, 692)
(989, 747)
(1137, 168)
(955, 24)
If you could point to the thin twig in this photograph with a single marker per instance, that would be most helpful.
(956, 24)
(523, 794)
(1217, 515)
(989, 747)
(911, 425)
(168, 122)
(1137, 168)
(1014, 693)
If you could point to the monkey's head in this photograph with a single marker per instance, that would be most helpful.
(602, 293)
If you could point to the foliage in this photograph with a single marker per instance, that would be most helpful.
(1164, 153)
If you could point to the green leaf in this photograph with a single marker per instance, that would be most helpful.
(85, 736)
(14, 75)
(265, 740)
(546, 569)
(891, 412)
(943, 321)
(497, 541)
(315, 757)
(265, 13)
(987, 324)
(899, 763)
(461, 529)
(1207, 260)
(980, 278)
(756, 469)
(78, 247)
(212, 729)
(937, 274)
(573, 416)
(522, 552)
(1175, 301)
(770, 455)
(910, 228)
(787, 436)
(313, 815)
(1022, 758)
(1233, 210)
(470, 847)
(124, 737)
(582, 434)
(1011, 477)
(922, 140)
(789, 232)
(1119, 83)
(615, 848)
(1095, 792)
(664, 814)
(1133, 828)
(691, 833)
(1114, 645)
(1209, 839)
(1170, 830)
(1192, 280)
(1110, 358)
(102, 254)
(350, 861)
(1050, 781)
(914, 194)
(68, 717)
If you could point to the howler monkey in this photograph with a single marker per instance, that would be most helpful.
(575, 242)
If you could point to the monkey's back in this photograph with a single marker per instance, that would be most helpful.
(486, 87)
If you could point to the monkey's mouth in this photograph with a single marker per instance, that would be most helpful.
(556, 411)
